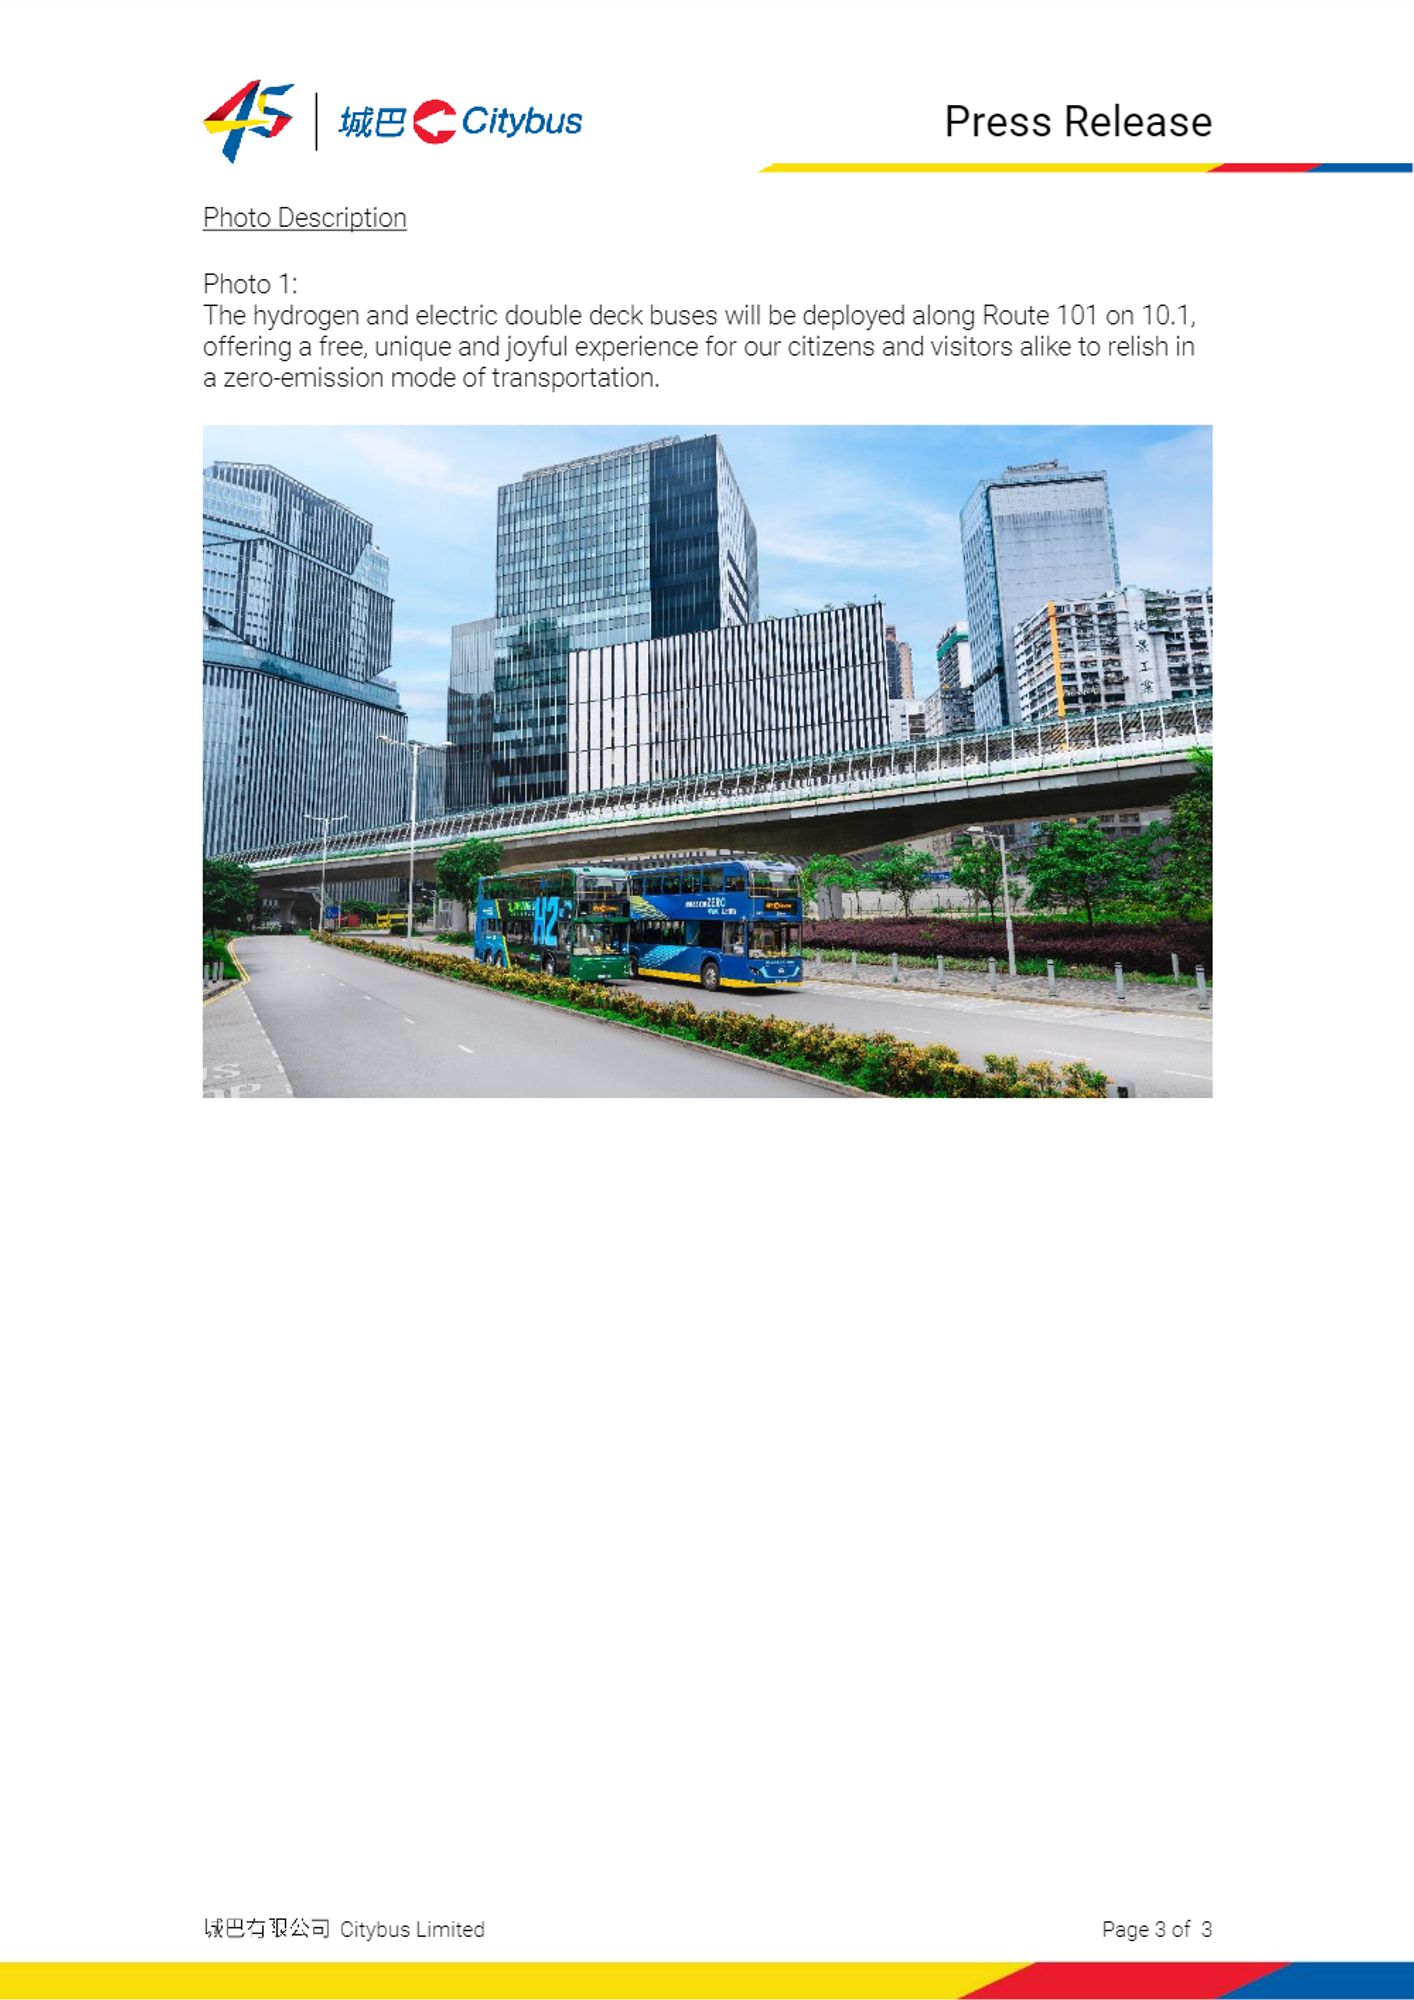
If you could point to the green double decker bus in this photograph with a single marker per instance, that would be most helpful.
(572, 921)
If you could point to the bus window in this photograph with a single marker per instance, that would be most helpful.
(712, 879)
(733, 878)
(668, 883)
(734, 940)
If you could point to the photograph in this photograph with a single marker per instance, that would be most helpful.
(875, 760)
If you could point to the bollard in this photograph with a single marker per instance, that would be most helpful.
(992, 974)
(1174, 956)
(819, 965)
(1202, 986)
(940, 968)
(1119, 982)
(854, 965)
(894, 960)
(1051, 977)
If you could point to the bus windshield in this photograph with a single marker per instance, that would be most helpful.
(598, 938)
(775, 940)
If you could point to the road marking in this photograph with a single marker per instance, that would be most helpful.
(410, 1021)
(1199, 1076)
(465, 1050)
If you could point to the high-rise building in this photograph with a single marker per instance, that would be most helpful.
(724, 700)
(296, 639)
(639, 544)
(1078, 655)
(908, 721)
(471, 715)
(948, 712)
(899, 655)
(1036, 534)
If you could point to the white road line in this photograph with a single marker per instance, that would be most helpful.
(1198, 1075)
(465, 1050)
(410, 1021)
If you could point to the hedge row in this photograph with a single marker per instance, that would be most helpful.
(878, 1063)
(1138, 947)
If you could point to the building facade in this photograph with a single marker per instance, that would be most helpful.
(948, 711)
(296, 643)
(1076, 656)
(626, 547)
(908, 721)
(1035, 535)
(723, 700)
(899, 656)
(471, 705)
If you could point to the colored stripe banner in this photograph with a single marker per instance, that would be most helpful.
(1089, 167)
(771, 1980)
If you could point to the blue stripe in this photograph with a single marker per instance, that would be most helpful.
(1365, 1980)
(1364, 167)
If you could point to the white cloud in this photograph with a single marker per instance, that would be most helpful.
(421, 635)
(409, 464)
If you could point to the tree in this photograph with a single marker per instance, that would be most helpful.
(833, 871)
(978, 869)
(360, 907)
(461, 868)
(228, 890)
(1077, 866)
(901, 870)
(1186, 884)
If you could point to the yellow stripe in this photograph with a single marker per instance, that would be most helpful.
(991, 167)
(692, 979)
(632, 1981)
(1056, 660)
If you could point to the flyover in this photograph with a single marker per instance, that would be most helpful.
(838, 804)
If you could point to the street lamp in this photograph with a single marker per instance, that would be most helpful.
(416, 750)
(980, 832)
(327, 820)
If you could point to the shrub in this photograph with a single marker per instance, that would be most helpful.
(878, 1063)
(214, 952)
(1138, 947)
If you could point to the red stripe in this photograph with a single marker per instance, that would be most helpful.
(1267, 167)
(1123, 1982)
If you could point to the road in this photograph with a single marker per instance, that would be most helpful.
(1161, 1055)
(343, 1025)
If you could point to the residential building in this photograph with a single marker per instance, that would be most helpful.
(899, 655)
(296, 643)
(726, 699)
(471, 715)
(1078, 655)
(908, 721)
(1035, 535)
(624, 548)
(949, 709)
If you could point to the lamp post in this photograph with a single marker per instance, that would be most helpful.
(980, 832)
(415, 750)
(326, 820)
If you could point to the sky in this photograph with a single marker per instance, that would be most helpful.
(841, 513)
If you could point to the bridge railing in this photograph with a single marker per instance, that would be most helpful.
(1116, 735)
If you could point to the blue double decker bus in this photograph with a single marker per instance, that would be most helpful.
(715, 923)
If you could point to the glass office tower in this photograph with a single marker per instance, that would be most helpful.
(1037, 533)
(640, 543)
(297, 636)
(471, 715)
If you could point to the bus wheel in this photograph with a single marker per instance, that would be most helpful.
(711, 974)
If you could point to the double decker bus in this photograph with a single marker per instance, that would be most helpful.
(565, 920)
(716, 923)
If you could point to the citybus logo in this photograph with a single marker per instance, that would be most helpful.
(246, 111)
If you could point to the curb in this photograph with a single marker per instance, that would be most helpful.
(231, 985)
(1025, 999)
(825, 1083)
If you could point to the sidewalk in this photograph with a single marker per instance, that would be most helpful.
(238, 1059)
(1139, 997)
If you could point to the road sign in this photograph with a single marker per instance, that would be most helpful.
(331, 914)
